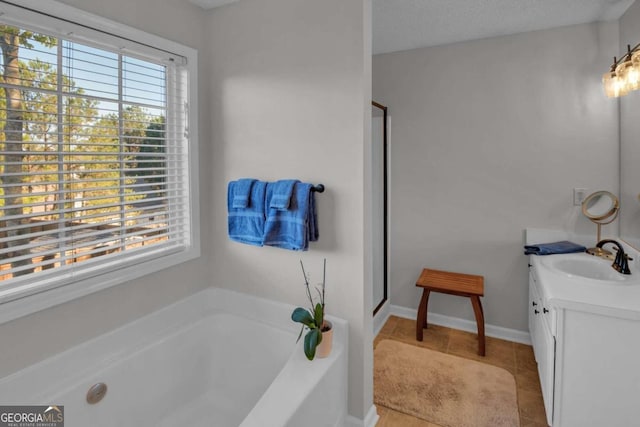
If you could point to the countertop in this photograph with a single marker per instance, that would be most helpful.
(620, 299)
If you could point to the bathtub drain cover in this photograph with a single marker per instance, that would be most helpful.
(96, 393)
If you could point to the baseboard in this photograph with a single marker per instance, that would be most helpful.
(381, 317)
(464, 325)
(370, 419)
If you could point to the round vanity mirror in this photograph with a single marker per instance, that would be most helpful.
(600, 207)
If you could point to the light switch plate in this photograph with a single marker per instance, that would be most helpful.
(579, 194)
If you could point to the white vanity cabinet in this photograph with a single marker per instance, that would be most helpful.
(542, 337)
(588, 353)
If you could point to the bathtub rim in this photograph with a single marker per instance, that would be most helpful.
(100, 351)
(298, 374)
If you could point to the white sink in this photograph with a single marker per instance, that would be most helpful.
(585, 266)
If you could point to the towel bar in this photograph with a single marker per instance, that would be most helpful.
(318, 188)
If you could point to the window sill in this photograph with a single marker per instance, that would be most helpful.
(31, 303)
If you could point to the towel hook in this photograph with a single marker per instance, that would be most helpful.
(318, 188)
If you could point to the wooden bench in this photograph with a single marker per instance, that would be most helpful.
(464, 285)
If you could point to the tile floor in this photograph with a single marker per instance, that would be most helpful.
(515, 358)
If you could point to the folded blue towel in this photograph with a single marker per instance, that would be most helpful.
(282, 191)
(562, 247)
(293, 228)
(246, 225)
(242, 192)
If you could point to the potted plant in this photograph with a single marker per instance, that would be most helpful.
(318, 340)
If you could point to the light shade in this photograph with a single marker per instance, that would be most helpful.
(624, 75)
(633, 72)
(624, 71)
(613, 86)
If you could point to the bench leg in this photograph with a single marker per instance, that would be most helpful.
(421, 321)
(477, 309)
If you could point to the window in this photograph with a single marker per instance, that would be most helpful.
(96, 163)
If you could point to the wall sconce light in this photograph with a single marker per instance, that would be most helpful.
(624, 75)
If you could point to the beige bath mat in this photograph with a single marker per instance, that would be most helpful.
(443, 389)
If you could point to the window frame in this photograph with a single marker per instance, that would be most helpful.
(44, 293)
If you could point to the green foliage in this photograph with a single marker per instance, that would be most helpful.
(150, 155)
(44, 127)
(40, 127)
(303, 316)
(25, 37)
(89, 139)
(11, 175)
(311, 341)
(313, 318)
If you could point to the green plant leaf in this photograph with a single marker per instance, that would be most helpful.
(311, 341)
(318, 315)
(303, 316)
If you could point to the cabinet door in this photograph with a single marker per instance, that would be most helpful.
(543, 343)
(546, 363)
(533, 302)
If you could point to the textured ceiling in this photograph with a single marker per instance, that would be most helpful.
(210, 4)
(409, 24)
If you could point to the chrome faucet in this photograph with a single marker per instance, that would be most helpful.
(621, 263)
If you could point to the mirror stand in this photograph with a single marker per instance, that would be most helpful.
(601, 208)
(596, 251)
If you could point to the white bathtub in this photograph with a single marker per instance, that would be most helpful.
(216, 359)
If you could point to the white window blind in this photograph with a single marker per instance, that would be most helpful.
(93, 156)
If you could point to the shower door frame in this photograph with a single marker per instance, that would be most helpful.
(385, 189)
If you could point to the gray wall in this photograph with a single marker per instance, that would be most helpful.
(629, 131)
(42, 334)
(489, 137)
(285, 91)
(290, 92)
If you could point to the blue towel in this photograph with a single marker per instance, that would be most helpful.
(563, 247)
(293, 228)
(241, 192)
(246, 225)
(282, 191)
